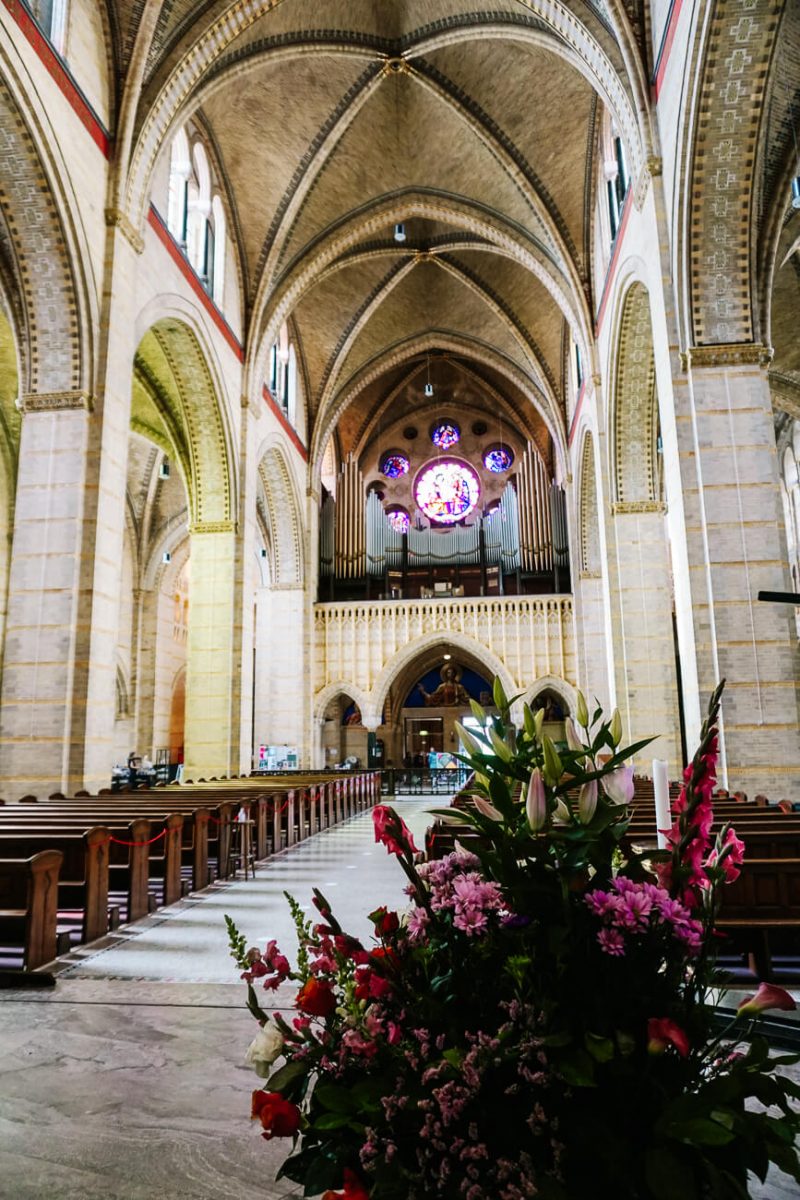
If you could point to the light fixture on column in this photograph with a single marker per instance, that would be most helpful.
(399, 232)
(796, 192)
(166, 557)
(163, 470)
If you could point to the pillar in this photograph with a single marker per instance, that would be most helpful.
(736, 547)
(281, 685)
(210, 694)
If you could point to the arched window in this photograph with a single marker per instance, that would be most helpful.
(180, 168)
(283, 382)
(291, 385)
(218, 260)
(615, 176)
(197, 237)
(51, 17)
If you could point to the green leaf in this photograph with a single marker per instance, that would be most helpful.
(600, 1048)
(332, 1120)
(701, 1131)
(668, 1176)
(499, 695)
(286, 1075)
(577, 1068)
(336, 1099)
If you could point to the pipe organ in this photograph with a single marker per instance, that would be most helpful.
(525, 535)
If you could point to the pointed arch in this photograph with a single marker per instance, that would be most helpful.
(634, 404)
(283, 514)
(589, 515)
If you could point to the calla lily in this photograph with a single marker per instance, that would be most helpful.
(618, 785)
(587, 801)
(767, 996)
(486, 809)
(536, 802)
(661, 1032)
(498, 745)
(615, 727)
(553, 768)
(581, 711)
(573, 741)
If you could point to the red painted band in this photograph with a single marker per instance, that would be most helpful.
(59, 72)
(666, 46)
(185, 267)
(278, 412)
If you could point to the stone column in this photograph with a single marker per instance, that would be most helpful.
(647, 684)
(282, 686)
(736, 547)
(210, 689)
(143, 662)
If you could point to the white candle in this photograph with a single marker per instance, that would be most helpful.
(661, 790)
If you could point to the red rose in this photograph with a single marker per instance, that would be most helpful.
(316, 998)
(385, 922)
(278, 1116)
(354, 1189)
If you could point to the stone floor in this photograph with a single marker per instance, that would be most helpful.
(127, 1081)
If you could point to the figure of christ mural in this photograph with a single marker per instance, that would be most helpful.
(449, 692)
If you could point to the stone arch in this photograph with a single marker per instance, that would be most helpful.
(334, 690)
(589, 513)
(177, 404)
(552, 683)
(401, 352)
(634, 404)
(283, 515)
(421, 648)
(38, 249)
(10, 423)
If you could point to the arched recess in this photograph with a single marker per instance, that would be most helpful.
(422, 653)
(640, 573)
(178, 407)
(38, 249)
(10, 424)
(281, 716)
(552, 683)
(340, 737)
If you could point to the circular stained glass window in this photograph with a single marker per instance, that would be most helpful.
(399, 519)
(498, 459)
(447, 491)
(394, 464)
(445, 434)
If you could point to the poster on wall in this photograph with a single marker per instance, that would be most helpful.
(277, 758)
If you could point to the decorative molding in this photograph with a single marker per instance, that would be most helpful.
(213, 527)
(622, 507)
(397, 66)
(115, 219)
(54, 401)
(785, 391)
(727, 354)
(641, 186)
(655, 165)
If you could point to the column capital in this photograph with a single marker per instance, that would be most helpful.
(213, 527)
(727, 354)
(637, 506)
(54, 401)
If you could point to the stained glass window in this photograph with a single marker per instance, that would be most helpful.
(498, 459)
(393, 465)
(446, 491)
(399, 519)
(445, 434)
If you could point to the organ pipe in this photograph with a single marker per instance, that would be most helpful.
(327, 535)
(350, 522)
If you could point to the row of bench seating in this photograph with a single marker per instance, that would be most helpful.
(72, 868)
(760, 911)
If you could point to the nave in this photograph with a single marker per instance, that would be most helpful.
(127, 1081)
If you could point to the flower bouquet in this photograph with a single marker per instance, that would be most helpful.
(541, 1020)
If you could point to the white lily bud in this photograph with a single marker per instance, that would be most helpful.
(615, 727)
(486, 809)
(468, 739)
(618, 785)
(581, 711)
(498, 745)
(573, 741)
(587, 801)
(538, 721)
(561, 814)
(536, 802)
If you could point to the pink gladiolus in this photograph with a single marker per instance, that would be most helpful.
(392, 831)
(661, 1032)
(618, 786)
(587, 801)
(768, 996)
(536, 802)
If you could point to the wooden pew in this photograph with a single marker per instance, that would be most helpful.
(763, 905)
(83, 876)
(29, 907)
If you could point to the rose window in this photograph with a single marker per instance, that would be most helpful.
(447, 491)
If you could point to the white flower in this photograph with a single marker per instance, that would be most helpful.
(265, 1047)
(618, 785)
(587, 801)
(536, 802)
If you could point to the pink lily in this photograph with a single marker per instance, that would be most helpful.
(536, 802)
(618, 786)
